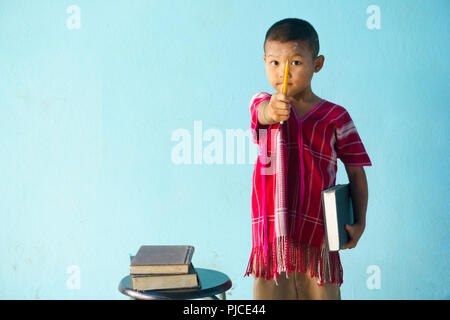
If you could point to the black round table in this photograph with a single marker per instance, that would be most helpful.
(212, 283)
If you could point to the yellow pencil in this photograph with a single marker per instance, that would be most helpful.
(286, 72)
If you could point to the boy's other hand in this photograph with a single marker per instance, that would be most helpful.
(355, 232)
(279, 107)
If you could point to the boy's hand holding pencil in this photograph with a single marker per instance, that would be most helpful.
(279, 107)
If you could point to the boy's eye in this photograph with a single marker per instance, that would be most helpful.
(295, 62)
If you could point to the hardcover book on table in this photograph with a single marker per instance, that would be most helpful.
(162, 259)
(337, 212)
(166, 281)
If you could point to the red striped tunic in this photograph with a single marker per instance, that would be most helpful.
(325, 133)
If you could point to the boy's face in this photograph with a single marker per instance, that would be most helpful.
(301, 65)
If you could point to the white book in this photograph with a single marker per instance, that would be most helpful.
(337, 212)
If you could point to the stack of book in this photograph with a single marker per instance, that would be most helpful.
(163, 267)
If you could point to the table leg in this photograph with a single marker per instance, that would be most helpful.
(221, 296)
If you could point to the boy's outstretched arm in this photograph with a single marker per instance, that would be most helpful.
(359, 194)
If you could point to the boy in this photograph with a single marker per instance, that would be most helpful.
(297, 161)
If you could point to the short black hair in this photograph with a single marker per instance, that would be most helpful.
(293, 29)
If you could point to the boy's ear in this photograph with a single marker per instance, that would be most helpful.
(264, 58)
(318, 63)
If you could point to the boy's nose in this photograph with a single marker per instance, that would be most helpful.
(281, 77)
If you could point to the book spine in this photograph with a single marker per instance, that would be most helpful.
(189, 252)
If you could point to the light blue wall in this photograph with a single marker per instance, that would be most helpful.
(87, 117)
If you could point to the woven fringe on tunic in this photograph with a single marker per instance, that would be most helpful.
(300, 258)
